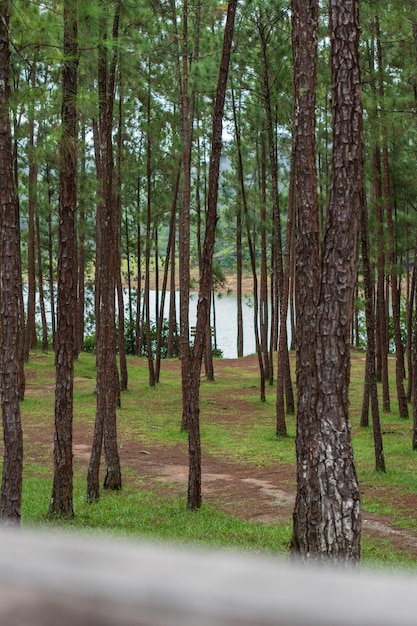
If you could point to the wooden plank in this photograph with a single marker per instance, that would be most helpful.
(55, 579)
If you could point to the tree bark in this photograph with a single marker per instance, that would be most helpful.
(11, 488)
(327, 520)
(203, 307)
(399, 350)
(107, 375)
(371, 378)
(62, 491)
(40, 282)
(31, 339)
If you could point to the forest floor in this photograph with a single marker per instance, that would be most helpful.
(263, 494)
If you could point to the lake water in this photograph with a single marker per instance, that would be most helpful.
(226, 321)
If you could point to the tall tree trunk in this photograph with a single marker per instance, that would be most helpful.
(138, 325)
(107, 376)
(281, 427)
(172, 318)
(62, 491)
(381, 308)
(184, 219)
(263, 295)
(81, 251)
(414, 386)
(203, 307)
(410, 326)
(40, 282)
(21, 311)
(327, 520)
(118, 243)
(399, 351)
(51, 280)
(171, 239)
(11, 488)
(239, 283)
(242, 190)
(151, 365)
(371, 378)
(31, 339)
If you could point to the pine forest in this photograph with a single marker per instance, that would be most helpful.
(157, 152)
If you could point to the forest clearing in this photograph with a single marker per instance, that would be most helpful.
(248, 474)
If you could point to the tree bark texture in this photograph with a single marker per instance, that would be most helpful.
(31, 338)
(371, 389)
(203, 307)
(11, 489)
(327, 520)
(108, 388)
(184, 217)
(62, 491)
(399, 350)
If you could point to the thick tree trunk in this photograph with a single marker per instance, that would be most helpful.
(11, 488)
(327, 520)
(304, 43)
(62, 491)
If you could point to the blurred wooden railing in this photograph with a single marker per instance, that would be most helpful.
(49, 579)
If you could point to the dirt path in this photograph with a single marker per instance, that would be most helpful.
(264, 494)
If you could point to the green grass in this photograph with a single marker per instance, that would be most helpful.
(153, 415)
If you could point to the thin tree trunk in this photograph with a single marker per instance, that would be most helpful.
(31, 339)
(21, 311)
(239, 283)
(399, 353)
(107, 376)
(263, 296)
(381, 309)
(203, 308)
(172, 321)
(117, 237)
(138, 325)
(281, 427)
(51, 259)
(151, 365)
(41, 291)
(81, 252)
(410, 327)
(241, 180)
(371, 378)
(171, 239)
(62, 491)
